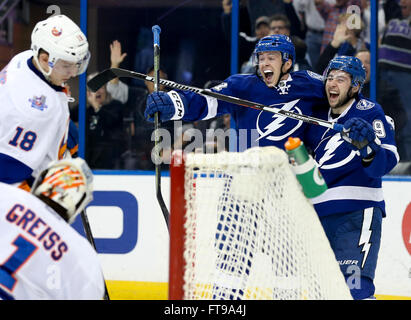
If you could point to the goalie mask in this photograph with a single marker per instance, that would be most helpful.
(66, 186)
(63, 40)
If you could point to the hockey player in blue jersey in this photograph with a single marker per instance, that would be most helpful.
(272, 84)
(352, 208)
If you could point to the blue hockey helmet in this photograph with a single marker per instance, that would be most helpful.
(276, 42)
(349, 64)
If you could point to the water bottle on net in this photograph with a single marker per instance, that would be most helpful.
(305, 168)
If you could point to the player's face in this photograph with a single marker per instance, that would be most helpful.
(338, 91)
(269, 65)
(63, 71)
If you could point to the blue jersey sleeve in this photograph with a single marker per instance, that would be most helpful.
(201, 107)
(73, 139)
(12, 170)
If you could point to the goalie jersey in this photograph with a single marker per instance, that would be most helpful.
(351, 185)
(41, 255)
(33, 123)
(301, 92)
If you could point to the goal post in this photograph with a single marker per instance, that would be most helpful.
(241, 228)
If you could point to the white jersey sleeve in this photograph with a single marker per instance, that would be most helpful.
(41, 256)
(35, 117)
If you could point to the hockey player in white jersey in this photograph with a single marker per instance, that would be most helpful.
(35, 119)
(41, 255)
(352, 208)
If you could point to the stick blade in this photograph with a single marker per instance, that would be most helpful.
(101, 79)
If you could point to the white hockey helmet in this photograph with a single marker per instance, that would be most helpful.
(66, 186)
(62, 39)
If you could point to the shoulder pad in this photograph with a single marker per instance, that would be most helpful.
(365, 104)
(315, 75)
(220, 86)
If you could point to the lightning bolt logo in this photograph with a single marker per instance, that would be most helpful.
(278, 122)
(366, 234)
(333, 143)
(330, 148)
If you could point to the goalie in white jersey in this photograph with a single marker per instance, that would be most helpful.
(41, 255)
(35, 116)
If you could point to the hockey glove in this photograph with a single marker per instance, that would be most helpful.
(169, 105)
(361, 136)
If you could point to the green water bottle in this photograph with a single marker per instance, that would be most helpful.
(305, 168)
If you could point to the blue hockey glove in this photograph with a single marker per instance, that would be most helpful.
(361, 136)
(169, 105)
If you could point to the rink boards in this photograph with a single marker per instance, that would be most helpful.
(132, 238)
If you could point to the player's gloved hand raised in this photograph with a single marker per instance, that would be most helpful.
(361, 136)
(169, 105)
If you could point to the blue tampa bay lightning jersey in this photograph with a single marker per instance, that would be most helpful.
(301, 92)
(351, 185)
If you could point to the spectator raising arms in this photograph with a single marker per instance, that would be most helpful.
(104, 129)
(331, 14)
(346, 41)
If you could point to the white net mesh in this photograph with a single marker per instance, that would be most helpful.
(251, 233)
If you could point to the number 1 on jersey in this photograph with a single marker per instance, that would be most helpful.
(25, 249)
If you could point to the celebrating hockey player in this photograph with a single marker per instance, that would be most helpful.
(35, 117)
(352, 208)
(41, 256)
(272, 84)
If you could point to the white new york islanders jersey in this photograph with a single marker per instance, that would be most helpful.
(41, 256)
(34, 117)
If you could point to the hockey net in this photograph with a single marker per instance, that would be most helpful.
(241, 228)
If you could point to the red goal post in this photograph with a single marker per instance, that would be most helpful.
(176, 226)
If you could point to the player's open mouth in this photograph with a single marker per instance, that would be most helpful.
(333, 95)
(268, 75)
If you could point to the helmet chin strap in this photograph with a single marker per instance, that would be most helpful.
(281, 73)
(354, 95)
(38, 65)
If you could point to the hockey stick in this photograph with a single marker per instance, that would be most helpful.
(89, 235)
(109, 74)
(156, 44)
